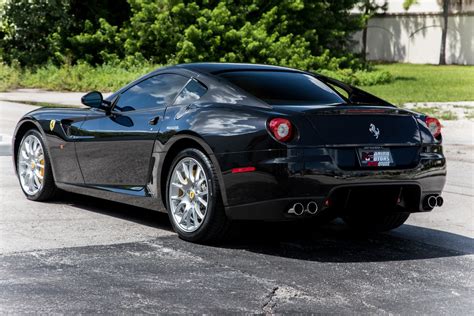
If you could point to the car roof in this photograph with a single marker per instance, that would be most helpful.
(216, 68)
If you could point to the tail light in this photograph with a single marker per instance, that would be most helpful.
(281, 129)
(433, 125)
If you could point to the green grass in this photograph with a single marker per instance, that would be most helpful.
(425, 83)
(47, 105)
(404, 82)
(82, 77)
(9, 77)
(446, 115)
(107, 78)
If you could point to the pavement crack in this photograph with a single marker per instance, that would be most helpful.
(270, 302)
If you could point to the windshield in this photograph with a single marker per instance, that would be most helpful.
(283, 88)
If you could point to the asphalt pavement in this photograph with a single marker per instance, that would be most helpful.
(84, 255)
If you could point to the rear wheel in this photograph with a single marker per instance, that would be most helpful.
(34, 167)
(376, 222)
(193, 198)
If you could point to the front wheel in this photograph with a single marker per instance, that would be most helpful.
(376, 222)
(194, 202)
(34, 167)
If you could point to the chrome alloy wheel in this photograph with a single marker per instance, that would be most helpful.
(188, 194)
(31, 165)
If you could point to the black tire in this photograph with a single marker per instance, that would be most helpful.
(48, 190)
(215, 225)
(376, 222)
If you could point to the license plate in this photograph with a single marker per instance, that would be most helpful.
(375, 157)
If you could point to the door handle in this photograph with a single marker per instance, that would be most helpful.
(154, 120)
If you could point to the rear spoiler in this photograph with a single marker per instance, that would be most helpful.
(355, 95)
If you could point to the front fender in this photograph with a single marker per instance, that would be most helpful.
(26, 123)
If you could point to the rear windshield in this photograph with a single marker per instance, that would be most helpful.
(283, 88)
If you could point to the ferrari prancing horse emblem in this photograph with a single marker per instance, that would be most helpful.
(52, 123)
(374, 130)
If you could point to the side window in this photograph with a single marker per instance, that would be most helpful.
(157, 91)
(193, 91)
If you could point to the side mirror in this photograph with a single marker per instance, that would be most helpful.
(93, 99)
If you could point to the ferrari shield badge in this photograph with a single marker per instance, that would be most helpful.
(52, 123)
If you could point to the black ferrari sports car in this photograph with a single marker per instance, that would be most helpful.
(209, 143)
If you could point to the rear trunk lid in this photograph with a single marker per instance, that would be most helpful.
(368, 125)
(366, 137)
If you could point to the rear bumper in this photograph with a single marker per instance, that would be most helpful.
(285, 177)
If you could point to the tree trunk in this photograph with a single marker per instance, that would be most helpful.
(364, 43)
(442, 53)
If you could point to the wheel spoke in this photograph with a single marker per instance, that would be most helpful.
(201, 193)
(198, 174)
(35, 147)
(38, 174)
(185, 217)
(179, 186)
(36, 181)
(30, 182)
(24, 154)
(179, 206)
(28, 148)
(191, 170)
(195, 221)
(180, 178)
(202, 201)
(199, 214)
(185, 170)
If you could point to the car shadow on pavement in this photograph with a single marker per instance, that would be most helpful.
(333, 242)
(134, 214)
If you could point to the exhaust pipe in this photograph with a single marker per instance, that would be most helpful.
(439, 201)
(432, 201)
(297, 209)
(312, 208)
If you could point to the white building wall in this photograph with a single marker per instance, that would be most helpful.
(416, 38)
(425, 6)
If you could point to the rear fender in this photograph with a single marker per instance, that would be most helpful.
(163, 155)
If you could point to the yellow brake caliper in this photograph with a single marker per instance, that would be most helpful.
(42, 168)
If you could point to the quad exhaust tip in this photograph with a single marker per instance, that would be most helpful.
(433, 201)
(312, 208)
(298, 208)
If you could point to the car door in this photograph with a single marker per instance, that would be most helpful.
(115, 148)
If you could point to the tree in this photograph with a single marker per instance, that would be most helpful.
(36, 31)
(27, 29)
(444, 31)
(444, 34)
(369, 8)
(307, 34)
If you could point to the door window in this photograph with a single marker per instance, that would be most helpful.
(157, 91)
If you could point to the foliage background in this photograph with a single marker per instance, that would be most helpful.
(45, 38)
